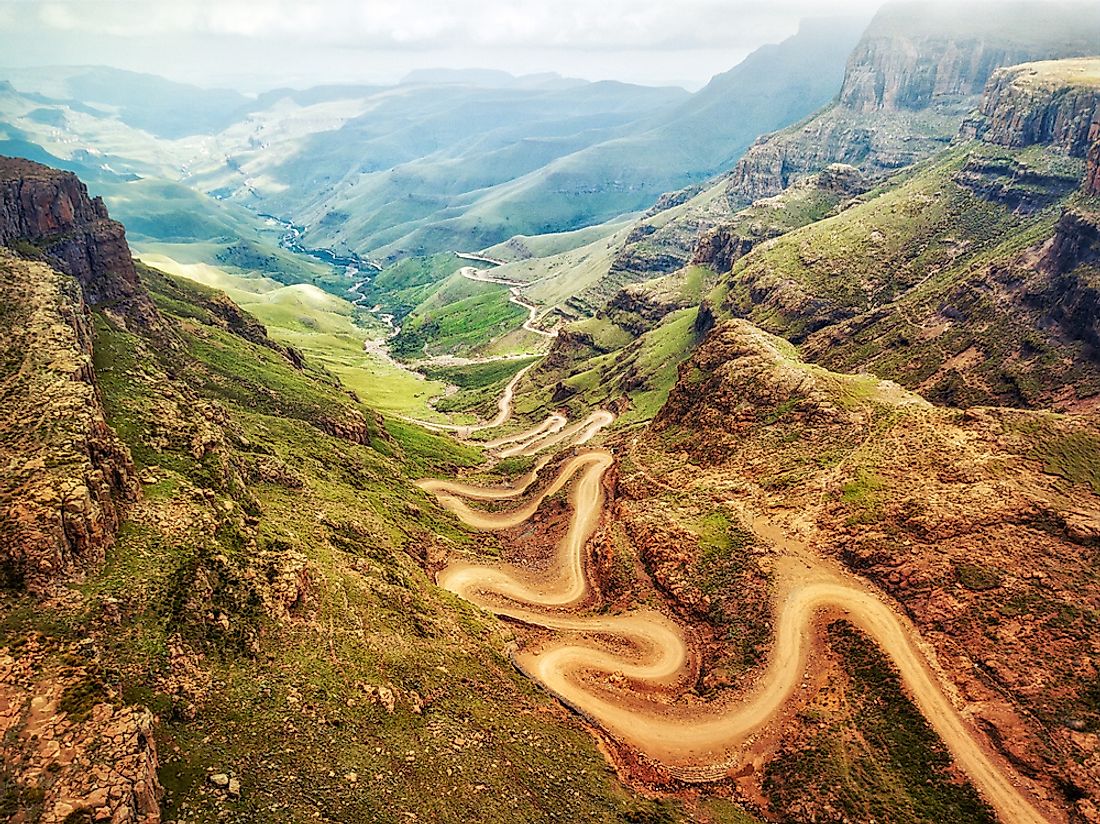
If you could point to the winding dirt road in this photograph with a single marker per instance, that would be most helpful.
(514, 296)
(629, 673)
(504, 412)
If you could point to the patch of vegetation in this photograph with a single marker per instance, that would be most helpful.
(457, 321)
(80, 697)
(727, 574)
(873, 756)
(404, 285)
(480, 384)
(329, 330)
(977, 577)
(1074, 456)
(864, 496)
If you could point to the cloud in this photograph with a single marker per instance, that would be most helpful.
(560, 24)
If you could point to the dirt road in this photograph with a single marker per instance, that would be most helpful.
(514, 296)
(627, 672)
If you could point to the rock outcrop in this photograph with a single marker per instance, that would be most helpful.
(95, 763)
(734, 383)
(725, 244)
(1050, 103)
(907, 88)
(49, 211)
(1092, 168)
(721, 247)
(1069, 296)
(67, 478)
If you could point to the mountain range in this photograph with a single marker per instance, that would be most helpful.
(741, 466)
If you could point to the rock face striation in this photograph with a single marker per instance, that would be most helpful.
(50, 210)
(1046, 103)
(68, 479)
(1071, 259)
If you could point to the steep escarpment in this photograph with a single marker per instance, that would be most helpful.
(1053, 104)
(1019, 331)
(1071, 266)
(49, 211)
(908, 86)
(68, 479)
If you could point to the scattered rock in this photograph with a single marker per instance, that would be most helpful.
(219, 780)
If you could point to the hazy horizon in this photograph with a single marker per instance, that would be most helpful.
(253, 47)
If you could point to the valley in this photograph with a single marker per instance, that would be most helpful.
(649, 654)
(742, 467)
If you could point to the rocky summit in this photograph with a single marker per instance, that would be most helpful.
(511, 449)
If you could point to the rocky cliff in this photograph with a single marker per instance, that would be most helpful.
(1068, 293)
(49, 211)
(1052, 103)
(905, 61)
(939, 301)
(907, 87)
(67, 480)
(1092, 169)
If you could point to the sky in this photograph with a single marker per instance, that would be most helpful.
(257, 44)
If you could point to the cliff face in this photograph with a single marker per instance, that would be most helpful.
(1040, 103)
(907, 87)
(51, 211)
(1014, 328)
(1070, 266)
(896, 72)
(1092, 169)
(68, 479)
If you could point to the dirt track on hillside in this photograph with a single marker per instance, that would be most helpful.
(628, 672)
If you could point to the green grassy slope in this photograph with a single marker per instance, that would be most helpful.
(274, 615)
(332, 332)
(930, 281)
(458, 318)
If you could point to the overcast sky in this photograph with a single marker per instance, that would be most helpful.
(260, 43)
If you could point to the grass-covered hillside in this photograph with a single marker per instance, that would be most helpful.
(266, 600)
(937, 280)
(332, 332)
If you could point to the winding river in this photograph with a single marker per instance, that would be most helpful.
(631, 673)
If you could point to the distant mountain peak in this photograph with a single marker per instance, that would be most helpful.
(491, 78)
